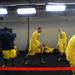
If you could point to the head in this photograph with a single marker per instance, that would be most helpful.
(5, 29)
(39, 29)
(10, 30)
(60, 30)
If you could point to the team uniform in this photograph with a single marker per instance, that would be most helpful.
(70, 51)
(34, 44)
(46, 49)
(62, 42)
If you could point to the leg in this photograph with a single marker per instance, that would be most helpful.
(5, 58)
(13, 61)
(41, 58)
(26, 59)
(5, 62)
(29, 59)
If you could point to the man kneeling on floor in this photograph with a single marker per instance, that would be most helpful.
(35, 47)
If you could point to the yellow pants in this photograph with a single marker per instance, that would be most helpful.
(8, 54)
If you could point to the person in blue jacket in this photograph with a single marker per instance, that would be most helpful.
(7, 46)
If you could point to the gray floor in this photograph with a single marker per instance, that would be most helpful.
(51, 60)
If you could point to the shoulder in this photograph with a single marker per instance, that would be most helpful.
(73, 37)
(63, 33)
(35, 32)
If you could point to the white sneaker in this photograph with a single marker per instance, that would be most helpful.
(59, 59)
(26, 62)
(3, 66)
(43, 62)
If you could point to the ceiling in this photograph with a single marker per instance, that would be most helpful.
(11, 5)
(31, 1)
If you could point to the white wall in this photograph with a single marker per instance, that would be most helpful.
(50, 26)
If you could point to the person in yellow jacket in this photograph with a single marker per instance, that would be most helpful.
(70, 52)
(35, 47)
(46, 49)
(62, 41)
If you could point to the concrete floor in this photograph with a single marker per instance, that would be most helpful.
(51, 60)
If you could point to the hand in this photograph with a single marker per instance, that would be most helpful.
(40, 46)
(61, 54)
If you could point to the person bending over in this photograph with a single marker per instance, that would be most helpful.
(35, 47)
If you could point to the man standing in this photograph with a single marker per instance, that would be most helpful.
(62, 41)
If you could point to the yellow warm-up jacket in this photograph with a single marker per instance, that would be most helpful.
(46, 49)
(70, 51)
(62, 42)
(34, 44)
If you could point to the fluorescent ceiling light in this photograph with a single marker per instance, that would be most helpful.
(56, 3)
(68, 3)
(3, 11)
(26, 11)
(55, 7)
